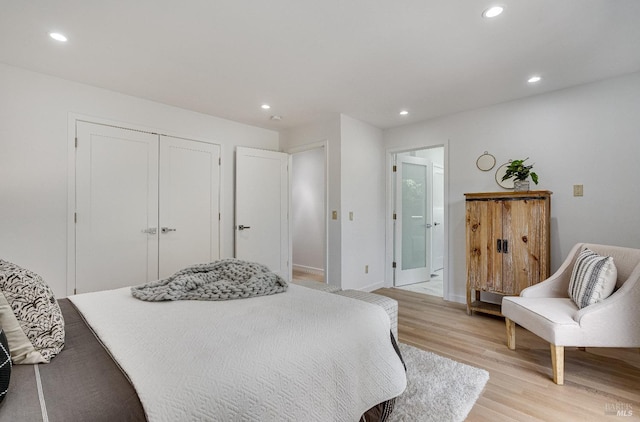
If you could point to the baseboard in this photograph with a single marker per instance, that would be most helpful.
(372, 287)
(308, 270)
(457, 299)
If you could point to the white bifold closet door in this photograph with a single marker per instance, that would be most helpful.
(189, 204)
(146, 206)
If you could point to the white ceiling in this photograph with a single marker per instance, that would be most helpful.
(365, 58)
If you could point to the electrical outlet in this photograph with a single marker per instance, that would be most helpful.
(578, 190)
(366, 269)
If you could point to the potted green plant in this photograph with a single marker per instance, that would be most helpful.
(520, 174)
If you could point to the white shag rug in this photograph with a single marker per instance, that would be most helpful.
(438, 389)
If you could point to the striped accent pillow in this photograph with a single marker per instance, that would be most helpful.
(593, 278)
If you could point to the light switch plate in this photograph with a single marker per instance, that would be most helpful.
(334, 215)
(351, 215)
(578, 190)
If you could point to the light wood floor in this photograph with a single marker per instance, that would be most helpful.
(520, 387)
(300, 275)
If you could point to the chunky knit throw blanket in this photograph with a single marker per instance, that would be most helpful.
(220, 280)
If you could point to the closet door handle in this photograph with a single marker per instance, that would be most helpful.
(499, 245)
(241, 227)
(166, 230)
(505, 246)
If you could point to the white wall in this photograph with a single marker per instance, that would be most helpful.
(34, 113)
(308, 209)
(363, 193)
(435, 155)
(355, 156)
(587, 135)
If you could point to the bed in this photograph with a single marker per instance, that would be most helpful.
(299, 355)
(82, 383)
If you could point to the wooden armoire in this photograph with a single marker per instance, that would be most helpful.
(507, 244)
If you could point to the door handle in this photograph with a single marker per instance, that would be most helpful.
(151, 230)
(499, 245)
(241, 227)
(428, 225)
(505, 246)
(435, 223)
(166, 230)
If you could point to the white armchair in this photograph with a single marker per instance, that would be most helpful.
(546, 309)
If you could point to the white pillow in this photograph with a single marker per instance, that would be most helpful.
(593, 278)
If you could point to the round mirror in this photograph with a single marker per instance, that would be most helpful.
(486, 161)
(502, 170)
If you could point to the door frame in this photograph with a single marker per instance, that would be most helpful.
(433, 172)
(389, 231)
(324, 144)
(72, 119)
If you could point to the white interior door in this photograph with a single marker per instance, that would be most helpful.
(116, 207)
(262, 208)
(189, 203)
(437, 231)
(413, 221)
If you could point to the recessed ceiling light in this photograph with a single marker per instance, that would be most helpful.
(265, 106)
(534, 79)
(58, 36)
(404, 112)
(493, 11)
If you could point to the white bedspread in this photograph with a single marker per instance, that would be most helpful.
(302, 355)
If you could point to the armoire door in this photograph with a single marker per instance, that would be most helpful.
(116, 207)
(504, 237)
(484, 226)
(189, 203)
(521, 258)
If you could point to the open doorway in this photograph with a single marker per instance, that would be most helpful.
(419, 223)
(308, 214)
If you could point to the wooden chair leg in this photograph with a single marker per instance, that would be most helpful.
(511, 334)
(557, 362)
